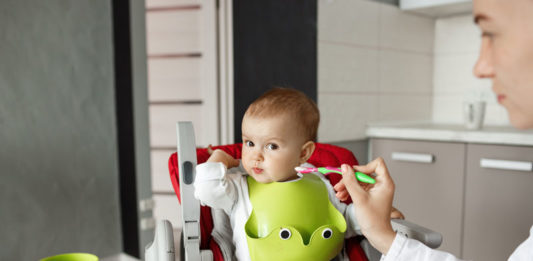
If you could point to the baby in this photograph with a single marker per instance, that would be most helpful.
(265, 198)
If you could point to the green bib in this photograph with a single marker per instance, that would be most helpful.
(293, 221)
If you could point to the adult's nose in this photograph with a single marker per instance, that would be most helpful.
(484, 66)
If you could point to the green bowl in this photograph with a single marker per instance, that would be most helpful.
(72, 257)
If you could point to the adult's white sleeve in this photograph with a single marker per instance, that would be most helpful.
(404, 249)
(213, 187)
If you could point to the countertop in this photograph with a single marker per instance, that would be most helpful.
(504, 135)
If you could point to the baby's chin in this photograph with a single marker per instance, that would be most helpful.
(262, 179)
(265, 179)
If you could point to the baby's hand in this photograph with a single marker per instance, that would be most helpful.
(342, 193)
(219, 155)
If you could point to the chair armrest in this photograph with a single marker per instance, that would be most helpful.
(411, 230)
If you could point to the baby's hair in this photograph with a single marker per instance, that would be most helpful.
(288, 101)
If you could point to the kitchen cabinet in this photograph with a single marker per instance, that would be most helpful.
(429, 183)
(477, 195)
(498, 208)
(437, 8)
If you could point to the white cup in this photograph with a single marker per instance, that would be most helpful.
(474, 114)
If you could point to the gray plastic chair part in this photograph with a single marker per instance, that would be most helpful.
(162, 248)
(190, 206)
(411, 230)
(371, 253)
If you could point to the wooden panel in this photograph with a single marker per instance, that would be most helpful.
(163, 120)
(172, 32)
(160, 175)
(429, 194)
(175, 79)
(498, 212)
(168, 207)
(170, 3)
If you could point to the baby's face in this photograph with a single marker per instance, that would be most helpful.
(272, 148)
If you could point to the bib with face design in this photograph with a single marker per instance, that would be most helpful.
(293, 221)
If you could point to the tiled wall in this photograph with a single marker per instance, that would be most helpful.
(457, 43)
(375, 63)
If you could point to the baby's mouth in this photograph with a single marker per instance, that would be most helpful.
(257, 170)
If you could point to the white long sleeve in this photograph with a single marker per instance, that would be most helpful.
(403, 249)
(215, 187)
(224, 189)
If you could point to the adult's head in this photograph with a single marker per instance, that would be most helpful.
(506, 55)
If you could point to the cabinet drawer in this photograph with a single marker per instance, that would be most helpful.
(429, 184)
(498, 208)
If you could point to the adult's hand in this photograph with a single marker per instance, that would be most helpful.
(372, 204)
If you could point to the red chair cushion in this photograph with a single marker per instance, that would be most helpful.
(324, 155)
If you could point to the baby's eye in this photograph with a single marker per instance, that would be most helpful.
(249, 143)
(272, 146)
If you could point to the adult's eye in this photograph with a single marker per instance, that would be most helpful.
(284, 233)
(272, 146)
(327, 233)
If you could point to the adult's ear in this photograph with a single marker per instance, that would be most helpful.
(307, 150)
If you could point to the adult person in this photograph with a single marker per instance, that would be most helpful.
(506, 57)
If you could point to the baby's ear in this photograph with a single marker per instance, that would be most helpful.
(307, 150)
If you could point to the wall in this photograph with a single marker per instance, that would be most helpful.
(58, 162)
(140, 139)
(457, 43)
(375, 63)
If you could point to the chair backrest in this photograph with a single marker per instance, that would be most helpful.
(324, 155)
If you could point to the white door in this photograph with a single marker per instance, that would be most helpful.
(189, 79)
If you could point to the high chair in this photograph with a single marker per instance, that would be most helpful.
(202, 237)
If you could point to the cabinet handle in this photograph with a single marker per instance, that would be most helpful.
(413, 157)
(506, 164)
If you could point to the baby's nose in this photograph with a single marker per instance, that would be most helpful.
(258, 155)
